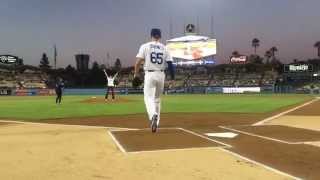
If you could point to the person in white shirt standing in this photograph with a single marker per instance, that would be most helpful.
(156, 58)
(110, 85)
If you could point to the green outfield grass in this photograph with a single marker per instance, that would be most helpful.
(38, 108)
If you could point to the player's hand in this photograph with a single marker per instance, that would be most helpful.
(136, 82)
(172, 83)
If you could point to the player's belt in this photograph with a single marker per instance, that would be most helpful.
(155, 70)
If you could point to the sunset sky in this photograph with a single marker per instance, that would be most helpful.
(30, 27)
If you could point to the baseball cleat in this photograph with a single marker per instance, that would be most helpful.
(154, 123)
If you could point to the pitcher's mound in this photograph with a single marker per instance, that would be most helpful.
(99, 100)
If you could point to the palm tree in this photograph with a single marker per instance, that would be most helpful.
(255, 45)
(235, 53)
(268, 55)
(317, 45)
(273, 51)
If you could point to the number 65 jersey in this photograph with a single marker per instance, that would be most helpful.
(155, 55)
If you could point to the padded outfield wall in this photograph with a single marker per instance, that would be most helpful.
(126, 91)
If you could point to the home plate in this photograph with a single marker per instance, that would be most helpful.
(222, 135)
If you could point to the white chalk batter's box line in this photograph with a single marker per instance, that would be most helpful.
(265, 137)
(225, 149)
(142, 129)
(17, 122)
(175, 149)
(123, 150)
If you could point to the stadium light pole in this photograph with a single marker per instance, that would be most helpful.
(171, 29)
(212, 19)
(55, 56)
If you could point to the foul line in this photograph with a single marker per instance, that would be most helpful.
(225, 149)
(70, 125)
(262, 165)
(284, 113)
(268, 138)
(259, 136)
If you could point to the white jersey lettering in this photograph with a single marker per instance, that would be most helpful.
(155, 55)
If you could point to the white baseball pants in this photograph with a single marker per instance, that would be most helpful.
(153, 88)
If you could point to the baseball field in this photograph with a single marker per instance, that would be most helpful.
(263, 136)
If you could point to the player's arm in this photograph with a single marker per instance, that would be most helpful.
(115, 76)
(137, 66)
(62, 86)
(140, 60)
(171, 67)
(105, 73)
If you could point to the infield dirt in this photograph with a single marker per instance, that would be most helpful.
(299, 160)
(51, 151)
(34, 151)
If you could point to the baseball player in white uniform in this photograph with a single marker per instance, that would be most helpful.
(156, 58)
(110, 85)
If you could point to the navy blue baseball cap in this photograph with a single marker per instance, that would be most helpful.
(156, 33)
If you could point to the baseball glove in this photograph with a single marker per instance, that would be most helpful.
(136, 82)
